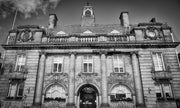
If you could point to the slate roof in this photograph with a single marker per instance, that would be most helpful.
(97, 29)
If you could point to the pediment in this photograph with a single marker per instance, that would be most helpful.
(61, 33)
(88, 32)
(115, 32)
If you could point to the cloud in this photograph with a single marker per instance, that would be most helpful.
(26, 7)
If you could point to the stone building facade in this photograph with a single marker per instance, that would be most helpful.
(91, 65)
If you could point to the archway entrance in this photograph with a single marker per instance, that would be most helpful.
(88, 96)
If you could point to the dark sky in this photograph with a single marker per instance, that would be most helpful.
(106, 12)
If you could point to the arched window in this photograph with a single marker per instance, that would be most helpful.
(121, 93)
(87, 13)
(55, 92)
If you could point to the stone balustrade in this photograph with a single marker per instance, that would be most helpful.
(65, 39)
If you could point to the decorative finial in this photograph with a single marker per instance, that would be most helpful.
(87, 3)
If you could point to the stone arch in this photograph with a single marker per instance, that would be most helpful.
(87, 13)
(123, 84)
(53, 83)
(84, 84)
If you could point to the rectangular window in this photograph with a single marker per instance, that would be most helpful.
(88, 64)
(167, 91)
(57, 64)
(20, 62)
(158, 92)
(118, 63)
(158, 61)
(12, 90)
(16, 88)
(163, 91)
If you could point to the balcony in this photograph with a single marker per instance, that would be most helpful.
(162, 75)
(21, 74)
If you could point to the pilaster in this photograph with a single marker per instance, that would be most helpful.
(71, 94)
(40, 80)
(104, 103)
(137, 81)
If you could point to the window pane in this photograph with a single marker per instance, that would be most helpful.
(22, 67)
(55, 67)
(20, 90)
(158, 61)
(18, 68)
(85, 67)
(90, 67)
(120, 96)
(158, 91)
(118, 63)
(167, 90)
(113, 97)
(116, 69)
(168, 95)
(121, 69)
(59, 67)
(158, 95)
(21, 59)
(12, 90)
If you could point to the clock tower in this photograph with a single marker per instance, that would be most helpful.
(88, 18)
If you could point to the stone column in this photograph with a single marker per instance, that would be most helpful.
(71, 100)
(137, 79)
(104, 103)
(40, 80)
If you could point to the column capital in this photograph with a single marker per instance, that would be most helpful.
(74, 53)
(102, 52)
(134, 52)
(42, 52)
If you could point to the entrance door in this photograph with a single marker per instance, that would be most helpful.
(88, 97)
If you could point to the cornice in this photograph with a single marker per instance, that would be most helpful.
(93, 45)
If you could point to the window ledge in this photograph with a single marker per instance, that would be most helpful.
(165, 99)
(60, 73)
(127, 99)
(54, 99)
(88, 73)
(14, 98)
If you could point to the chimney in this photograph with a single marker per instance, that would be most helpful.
(153, 20)
(52, 21)
(124, 18)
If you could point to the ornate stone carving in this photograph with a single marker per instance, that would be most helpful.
(13, 74)
(25, 36)
(153, 33)
(88, 78)
(56, 77)
(54, 104)
(124, 78)
(12, 104)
